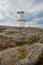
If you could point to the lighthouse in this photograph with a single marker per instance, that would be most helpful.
(21, 19)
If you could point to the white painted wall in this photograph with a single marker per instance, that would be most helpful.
(21, 23)
(21, 16)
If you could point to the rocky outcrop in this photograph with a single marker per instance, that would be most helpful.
(6, 42)
(20, 55)
(12, 36)
(33, 57)
(11, 56)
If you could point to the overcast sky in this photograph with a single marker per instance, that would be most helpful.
(33, 12)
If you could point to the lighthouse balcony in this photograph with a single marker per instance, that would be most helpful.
(20, 12)
(20, 19)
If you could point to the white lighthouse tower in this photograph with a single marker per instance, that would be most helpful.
(21, 20)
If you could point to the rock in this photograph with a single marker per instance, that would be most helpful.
(12, 55)
(33, 56)
(11, 36)
(19, 55)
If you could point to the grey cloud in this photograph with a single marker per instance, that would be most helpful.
(40, 14)
(10, 7)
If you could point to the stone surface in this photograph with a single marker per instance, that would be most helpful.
(33, 57)
(20, 55)
(10, 36)
(10, 56)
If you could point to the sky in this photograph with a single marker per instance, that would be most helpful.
(33, 12)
